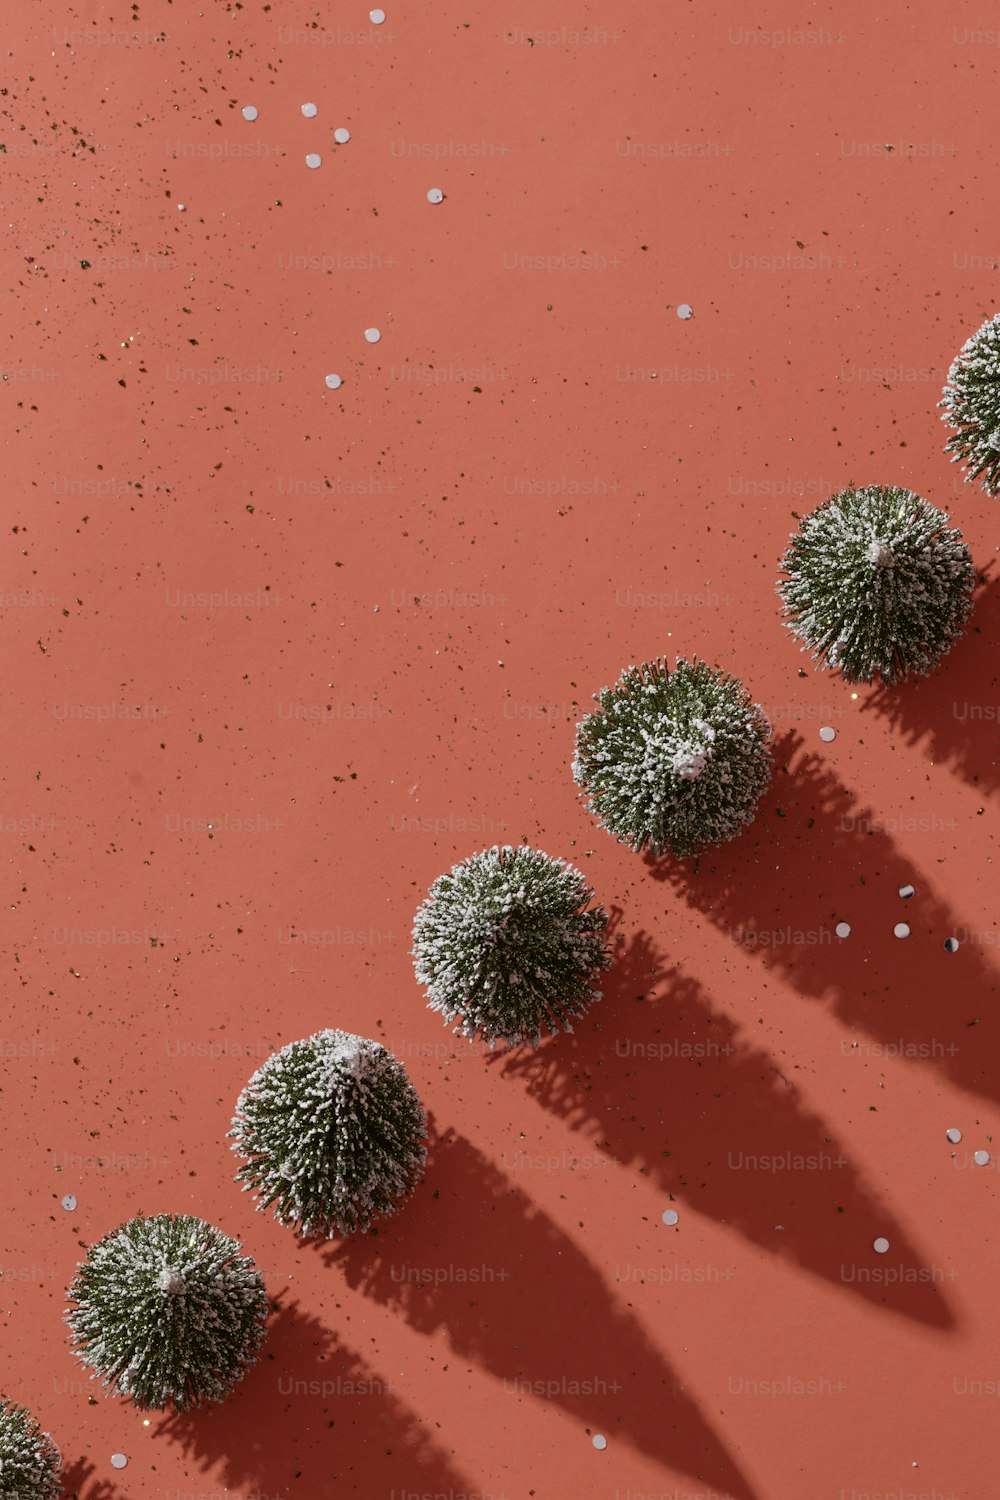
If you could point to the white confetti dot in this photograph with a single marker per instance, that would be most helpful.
(372, 335)
(249, 112)
(435, 195)
(954, 1135)
(670, 1216)
(906, 891)
(69, 1203)
(951, 945)
(377, 17)
(341, 135)
(313, 160)
(827, 733)
(600, 1443)
(119, 1461)
(182, 208)
(334, 382)
(901, 930)
(685, 310)
(981, 1158)
(881, 1245)
(310, 111)
(843, 929)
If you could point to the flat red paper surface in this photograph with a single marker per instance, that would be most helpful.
(277, 655)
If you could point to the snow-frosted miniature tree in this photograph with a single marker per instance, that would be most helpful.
(30, 1462)
(333, 1132)
(506, 945)
(877, 584)
(971, 402)
(167, 1309)
(673, 761)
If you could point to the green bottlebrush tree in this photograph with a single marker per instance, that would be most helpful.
(876, 584)
(333, 1132)
(673, 761)
(166, 1309)
(30, 1462)
(506, 947)
(971, 402)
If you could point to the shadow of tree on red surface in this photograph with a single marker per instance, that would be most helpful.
(79, 1483)
(816, 857)
(315, 1418)
(954, 715)
(535, 1313)
(710, 1118)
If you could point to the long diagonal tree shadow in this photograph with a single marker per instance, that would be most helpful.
(537, 1315)
(79, 1483)
(710, 1119)
(815, 857)
(954, 714)
(343, 1428)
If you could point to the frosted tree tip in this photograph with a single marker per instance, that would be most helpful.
(971, 407)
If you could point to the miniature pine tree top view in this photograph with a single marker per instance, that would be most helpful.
(334, 1134)
(876, 584)
(506, 945)
(166, 1309)
(30, 1463)
(673, 761)
(971, 402)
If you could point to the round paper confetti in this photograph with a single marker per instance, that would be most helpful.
(843, 929)
(249, 112)
(981, 1158)
(954, 1135)
(119, 1461)
(906, 891)
(372, 335)
(600, 1443)
(827, 733)
(881, 1245)
(901, 930)
(435, 195)
(313, 160)
(670, 1216)
(334, 382)
(341, 136)
(377, 17)
(685, 310)
(69, 1203)
(951, 945)
(182, 208)
(309, 110)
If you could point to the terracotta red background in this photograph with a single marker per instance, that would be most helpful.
(501, 506)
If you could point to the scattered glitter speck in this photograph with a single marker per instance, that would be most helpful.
(685, 310)
(670, 1216)
(118, 1461)
(334, 382)
(827, 733)
(313, 159)
(435, 195)
(600, 1443)
(249, 112)
(372, 335)
(954, 1135)
(309, 110)
(906, 891)
(377, 17)
(981, 1158)
(843, 929)
(881, 1245)
(341, 135)
(901, 930)
(951, 945)
(69, 1203)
